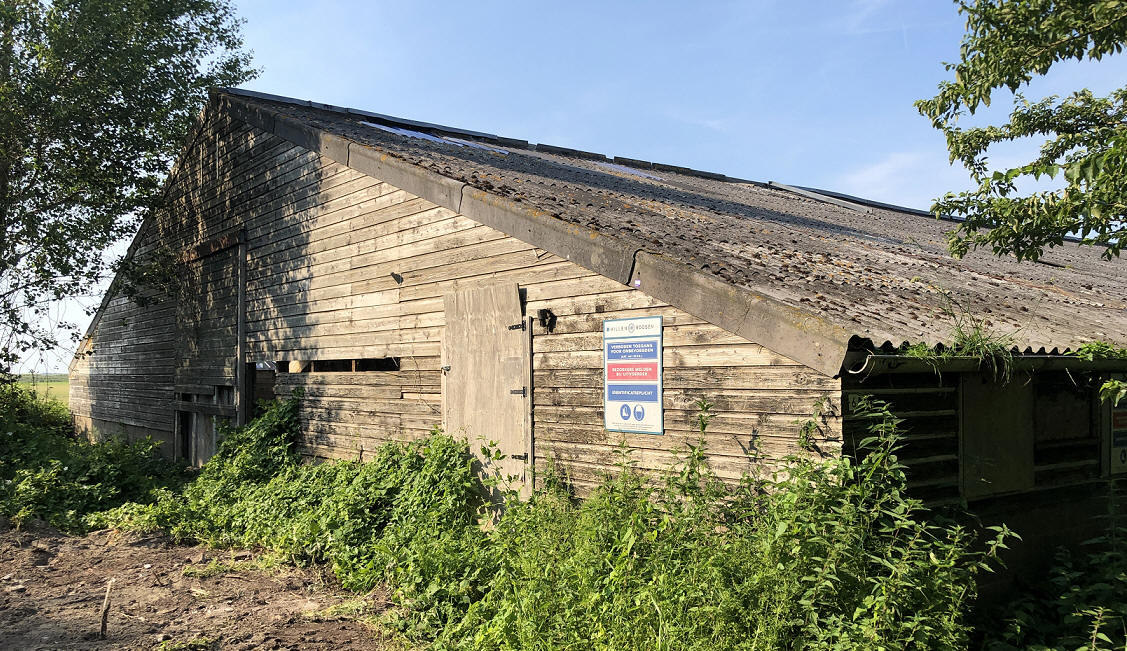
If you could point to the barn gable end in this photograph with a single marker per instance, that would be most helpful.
(291, 260)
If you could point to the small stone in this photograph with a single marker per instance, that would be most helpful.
(163, 637)
(147, 565)
(5, 577)
(15, 588)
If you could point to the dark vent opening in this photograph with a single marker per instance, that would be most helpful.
(354, 365)
(378, 364)
(331, 365)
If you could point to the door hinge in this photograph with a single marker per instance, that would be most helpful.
(518, 326)
(519, 457)
(523, 391)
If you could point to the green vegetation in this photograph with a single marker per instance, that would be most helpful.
(48, 473)
(96, 100)
(1112, 391)
(1007, 43)
(216, 567)
(47, 386)
(810, 427)
(972, 338)
(831, 553)
(826, 553)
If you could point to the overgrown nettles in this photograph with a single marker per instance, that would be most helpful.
(826, 553)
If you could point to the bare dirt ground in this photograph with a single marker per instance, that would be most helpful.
(167, 596)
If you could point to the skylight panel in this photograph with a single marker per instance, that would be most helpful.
(629, 170)
(475, 145)
(442, 140)
(408, 132)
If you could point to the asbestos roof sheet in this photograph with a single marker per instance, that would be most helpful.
(882, 274)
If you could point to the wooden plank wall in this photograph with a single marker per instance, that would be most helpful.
(207, 320)
(928, 403)
(343, 266)
(758, 396)
(127, 385)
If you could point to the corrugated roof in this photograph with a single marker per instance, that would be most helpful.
(881, 273)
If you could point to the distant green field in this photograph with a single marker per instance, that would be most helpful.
(55, 386)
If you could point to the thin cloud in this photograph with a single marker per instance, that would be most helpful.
(912, 178)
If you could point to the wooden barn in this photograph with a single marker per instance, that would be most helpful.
(406, 275)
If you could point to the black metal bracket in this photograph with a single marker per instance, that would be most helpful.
(523, 391)
(547, 319)
(519, 326)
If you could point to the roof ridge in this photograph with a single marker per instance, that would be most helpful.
(840, 199)
(518, 143)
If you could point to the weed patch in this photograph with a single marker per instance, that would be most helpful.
(826, 553)
(971, 337)
(47, 473)
(216, 567)
(1112, 390)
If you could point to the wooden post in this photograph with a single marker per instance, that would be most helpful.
(106, 608)
(242, 383)
(529, 438)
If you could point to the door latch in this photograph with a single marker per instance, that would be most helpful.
(518, 326)
(519, 392)
(519, 457)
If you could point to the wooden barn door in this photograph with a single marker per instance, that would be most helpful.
(207, 349)
(486, 388)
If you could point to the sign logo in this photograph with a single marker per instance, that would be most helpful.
(625, 412)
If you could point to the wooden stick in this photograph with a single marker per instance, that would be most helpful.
(106, 608)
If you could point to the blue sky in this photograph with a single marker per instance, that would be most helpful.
(802, 92)
(811, 93)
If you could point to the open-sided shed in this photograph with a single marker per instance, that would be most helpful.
(406, 275)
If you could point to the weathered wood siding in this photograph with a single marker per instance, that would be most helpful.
(341, 266)
(121, 384)
(758, 396)
(124, 379)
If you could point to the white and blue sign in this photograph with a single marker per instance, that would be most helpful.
(632, 375)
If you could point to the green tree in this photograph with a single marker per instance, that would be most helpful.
(96, 98)
(1007, 42)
